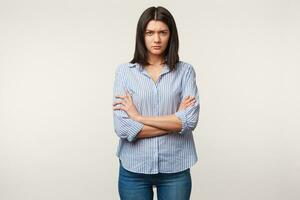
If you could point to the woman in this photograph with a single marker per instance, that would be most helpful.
(156, 108)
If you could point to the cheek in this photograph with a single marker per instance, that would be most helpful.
(165, 41)
(148, 41)
(165, 44)
(148, 44)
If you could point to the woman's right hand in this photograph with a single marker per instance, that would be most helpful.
(186, 102)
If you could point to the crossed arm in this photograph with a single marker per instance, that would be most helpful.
(153, 126)
(129, 124)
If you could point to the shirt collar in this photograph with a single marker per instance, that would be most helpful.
(132, 65)
(165, 69)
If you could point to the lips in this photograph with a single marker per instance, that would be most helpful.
(156, 47)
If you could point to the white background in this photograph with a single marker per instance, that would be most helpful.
(57, 64)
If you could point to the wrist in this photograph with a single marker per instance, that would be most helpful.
(138, 118)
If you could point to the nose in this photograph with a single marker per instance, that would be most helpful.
(156, 38)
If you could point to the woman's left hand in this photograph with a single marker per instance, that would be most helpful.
(128, 106)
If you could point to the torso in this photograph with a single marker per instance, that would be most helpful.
(154, 72)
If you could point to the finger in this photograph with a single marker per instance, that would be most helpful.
(188, 100)
(118, 108)
(192, 103)
(118, 102)
(185, 99)
(191, 99)
(188, 105)
(121, 105)
(120, 96)
(129, 96)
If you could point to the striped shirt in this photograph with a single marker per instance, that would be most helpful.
(168, 153)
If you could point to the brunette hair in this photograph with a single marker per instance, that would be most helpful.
(171, 52)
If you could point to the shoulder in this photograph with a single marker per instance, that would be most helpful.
(184, 67)
(123, 67)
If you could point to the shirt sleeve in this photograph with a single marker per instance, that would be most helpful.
(124, 126)
(189, 116)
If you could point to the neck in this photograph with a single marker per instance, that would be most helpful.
(155, 60)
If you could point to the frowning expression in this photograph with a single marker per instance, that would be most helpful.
(157, 35)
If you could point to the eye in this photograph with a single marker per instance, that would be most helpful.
(149, 33)
(164, 33)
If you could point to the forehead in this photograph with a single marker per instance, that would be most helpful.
(156, 25)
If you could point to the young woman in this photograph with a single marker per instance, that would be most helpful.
(156, 108)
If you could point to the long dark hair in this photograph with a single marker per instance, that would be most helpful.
(171, 52)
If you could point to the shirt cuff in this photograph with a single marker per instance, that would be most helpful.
(182, 116)
(135, 128)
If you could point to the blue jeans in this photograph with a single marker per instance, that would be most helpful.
(170, 186)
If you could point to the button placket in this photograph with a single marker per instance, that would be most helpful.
(156, 94)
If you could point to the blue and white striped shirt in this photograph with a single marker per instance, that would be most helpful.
(168, 153)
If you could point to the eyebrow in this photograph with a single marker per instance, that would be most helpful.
(153, 30)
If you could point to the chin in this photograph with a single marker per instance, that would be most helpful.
(157, 52)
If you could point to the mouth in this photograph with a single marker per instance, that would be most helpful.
(156, 47)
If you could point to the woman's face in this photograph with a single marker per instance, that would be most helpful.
(157, 35)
